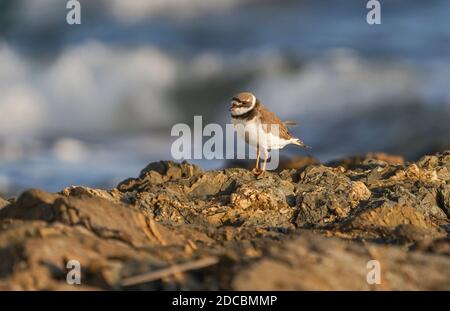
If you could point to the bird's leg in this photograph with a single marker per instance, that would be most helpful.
(258, 153)
(266, 156)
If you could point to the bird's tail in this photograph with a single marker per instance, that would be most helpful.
(298, 142)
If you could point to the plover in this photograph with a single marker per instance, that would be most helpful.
(260, 127)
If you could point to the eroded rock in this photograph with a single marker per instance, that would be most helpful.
(3, 203)
(271, 232)
(311, 262)
(326, 195)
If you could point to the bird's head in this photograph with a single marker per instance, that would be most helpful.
(242, 103)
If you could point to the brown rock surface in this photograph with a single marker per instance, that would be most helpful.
(179, 227)
(311, 262)
(3, 203)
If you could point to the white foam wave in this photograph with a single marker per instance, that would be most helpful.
(87, 88)
(339, 82)
(21, 106)
(135, 10)
(44, 12)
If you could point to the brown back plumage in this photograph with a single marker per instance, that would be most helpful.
(268, 117)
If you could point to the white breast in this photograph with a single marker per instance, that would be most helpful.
(257, 135)
(247, 128)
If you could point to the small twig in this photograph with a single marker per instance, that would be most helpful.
(156, 275)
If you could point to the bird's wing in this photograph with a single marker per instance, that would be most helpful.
(266, 114)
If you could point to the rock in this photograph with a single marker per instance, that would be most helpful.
(309, 226)
(257, 203)
(3, 203)
(311, 262)
(159, 172)
(443, 198)
(390, 215)
(354, 162)
(296, 162)
(113, 195)
(325, 195)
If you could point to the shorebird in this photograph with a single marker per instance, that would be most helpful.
(260, 127)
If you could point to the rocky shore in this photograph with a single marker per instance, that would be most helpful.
(311, 226)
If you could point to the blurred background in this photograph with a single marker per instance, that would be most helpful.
(92, 104)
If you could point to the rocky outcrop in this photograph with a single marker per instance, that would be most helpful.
(311, 262)
(3, 203)
(176, 226)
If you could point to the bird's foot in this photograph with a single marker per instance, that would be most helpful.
(257, 172)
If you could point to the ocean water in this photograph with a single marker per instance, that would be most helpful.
(92, 104)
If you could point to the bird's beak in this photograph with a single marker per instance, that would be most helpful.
(233, 105)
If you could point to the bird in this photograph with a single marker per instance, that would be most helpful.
(253, 123)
